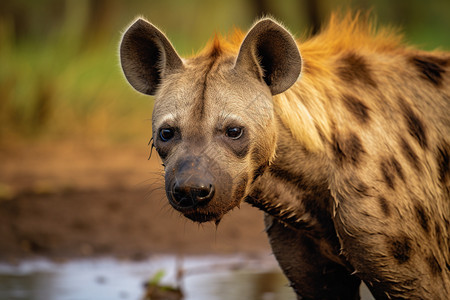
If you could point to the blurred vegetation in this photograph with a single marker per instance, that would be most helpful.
(60, 77)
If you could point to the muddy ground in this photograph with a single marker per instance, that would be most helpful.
(74, 200)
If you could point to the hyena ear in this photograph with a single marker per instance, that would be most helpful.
(146, 56)
(269, 51)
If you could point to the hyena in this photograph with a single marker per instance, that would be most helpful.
(343, 140)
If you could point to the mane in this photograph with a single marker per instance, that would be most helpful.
(342, 32)
(299, 107)
(220, 44)
(348, 31)
(302, 108)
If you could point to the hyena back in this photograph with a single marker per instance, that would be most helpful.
(345, 147)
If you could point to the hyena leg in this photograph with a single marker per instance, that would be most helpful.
(395, 261)
(312, 275)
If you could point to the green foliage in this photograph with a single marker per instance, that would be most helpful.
(64, 81)
(156, 279)
(157, 291)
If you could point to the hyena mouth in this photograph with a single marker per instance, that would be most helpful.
(202, 217)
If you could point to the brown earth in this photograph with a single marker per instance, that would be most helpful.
(73, 200)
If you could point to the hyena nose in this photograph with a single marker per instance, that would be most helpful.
(190, 195)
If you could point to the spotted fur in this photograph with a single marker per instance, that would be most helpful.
(344, 145)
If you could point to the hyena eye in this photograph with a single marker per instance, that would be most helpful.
(166, 134)
(234, 132)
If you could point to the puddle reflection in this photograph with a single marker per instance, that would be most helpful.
(200, 278)
(209, 277)
(239, 285)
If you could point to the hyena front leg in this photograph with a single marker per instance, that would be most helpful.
(312, 276)
(396, 252)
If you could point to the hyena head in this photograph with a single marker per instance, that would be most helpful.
(213, 119)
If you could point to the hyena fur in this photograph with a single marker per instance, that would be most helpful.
(345, 147)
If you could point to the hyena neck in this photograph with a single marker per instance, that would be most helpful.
(303, 110)
(294, 187)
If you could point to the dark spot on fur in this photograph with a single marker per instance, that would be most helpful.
(338, 153)
(391, 169)
(447, 225)
(415, 126)
(321, 135)
(410, 155)
(347, 149)
(443, 161)
(422, 217)
(398, 168)
(434, 265)
(439, 236)
(313, 196)
(354, 68)
(385, 206)
(357, 108)
(286, 175)
(255, 195)
(388, 170)
(359, 188)
(401, 249)
(430, 68)
(259, 171)
(354, 148)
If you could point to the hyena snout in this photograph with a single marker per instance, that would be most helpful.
(190, 185)
(197, 187)
(191, 192)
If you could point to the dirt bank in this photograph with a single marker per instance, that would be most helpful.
(79, 199)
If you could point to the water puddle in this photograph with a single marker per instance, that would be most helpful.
(199, 277)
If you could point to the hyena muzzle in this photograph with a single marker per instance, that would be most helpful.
(346, 148)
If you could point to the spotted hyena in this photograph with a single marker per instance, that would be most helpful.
(343, 140)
